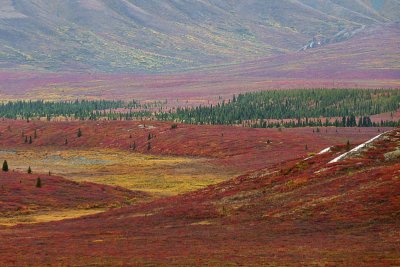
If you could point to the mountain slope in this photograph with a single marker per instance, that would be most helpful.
(137, 35)
(369, 60)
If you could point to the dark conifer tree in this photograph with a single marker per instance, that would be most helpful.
(5, 166)
(348, 145)
(38, 182)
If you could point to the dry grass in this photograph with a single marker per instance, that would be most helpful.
(158, 175)
(47, 216)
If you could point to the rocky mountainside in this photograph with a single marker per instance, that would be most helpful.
(151, 35)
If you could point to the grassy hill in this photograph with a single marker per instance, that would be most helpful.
(57, 198)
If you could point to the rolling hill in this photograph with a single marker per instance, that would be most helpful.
(57, 198)
(147, 36)
(334, 208)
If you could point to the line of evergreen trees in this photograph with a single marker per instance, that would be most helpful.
(78, 109)
(301, 107)
(350, 121)
(288, 108)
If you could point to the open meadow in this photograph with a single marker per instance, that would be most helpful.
(178, 161)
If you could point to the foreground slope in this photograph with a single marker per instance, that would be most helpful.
(21, 201)
(306, 211)
(136, 35)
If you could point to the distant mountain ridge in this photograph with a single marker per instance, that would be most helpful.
(153, 35)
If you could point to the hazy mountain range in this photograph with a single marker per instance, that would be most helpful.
(165, 35)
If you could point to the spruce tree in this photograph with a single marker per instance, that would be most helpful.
(79, 134)
(5, 166)
(38, 182)
(348, 146)
(29, 170)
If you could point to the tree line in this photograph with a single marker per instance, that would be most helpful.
(276, 108)
(78, 109)
(294, 108)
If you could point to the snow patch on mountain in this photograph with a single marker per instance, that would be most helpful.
(341, 36)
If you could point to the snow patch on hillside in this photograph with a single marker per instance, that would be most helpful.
(355, 150)
(326, 150)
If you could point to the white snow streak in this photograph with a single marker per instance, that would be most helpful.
(326, 150)
(356, 149)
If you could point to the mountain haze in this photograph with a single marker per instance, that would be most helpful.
(152, 35)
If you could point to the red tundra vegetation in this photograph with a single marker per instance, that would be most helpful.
(20, 194)
(305, 211)
(241, 148)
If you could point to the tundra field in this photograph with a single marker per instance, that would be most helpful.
(179, 203)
